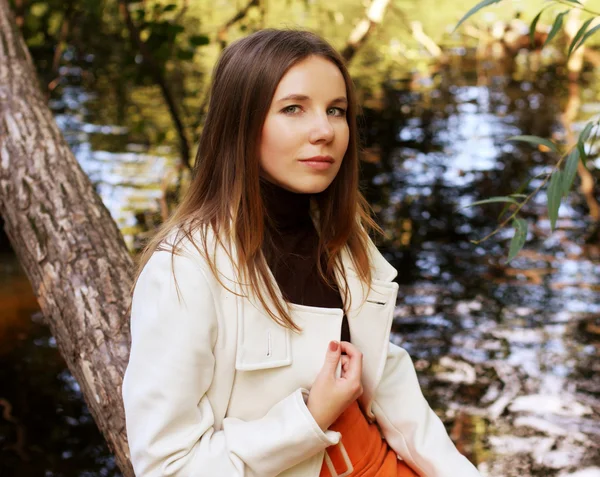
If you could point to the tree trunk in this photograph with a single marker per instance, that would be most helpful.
(65, 239)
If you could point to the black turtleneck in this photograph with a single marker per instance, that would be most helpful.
(290, 249)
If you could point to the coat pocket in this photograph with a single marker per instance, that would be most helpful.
(382, 294)
(261, 342)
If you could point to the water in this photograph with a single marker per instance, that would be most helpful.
(507, 354)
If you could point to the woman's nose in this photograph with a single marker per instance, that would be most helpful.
(322, 130)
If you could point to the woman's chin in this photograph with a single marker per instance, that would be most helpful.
(307, 186)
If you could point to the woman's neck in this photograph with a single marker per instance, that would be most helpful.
(285, 210)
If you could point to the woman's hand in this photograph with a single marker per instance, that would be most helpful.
(330, 395)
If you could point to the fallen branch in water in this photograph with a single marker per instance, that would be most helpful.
(511, 389)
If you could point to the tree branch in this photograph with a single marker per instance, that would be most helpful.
(160, 80)
(425, 40)
(222, 33)
(363, 29)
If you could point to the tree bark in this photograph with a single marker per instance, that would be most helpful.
(71, 249)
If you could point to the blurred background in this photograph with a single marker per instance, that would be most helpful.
(507, 353)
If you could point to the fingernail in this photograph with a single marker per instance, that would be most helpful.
(333, 345)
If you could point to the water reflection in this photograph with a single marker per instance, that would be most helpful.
(507, 348)
(507, 354)
(46, 429)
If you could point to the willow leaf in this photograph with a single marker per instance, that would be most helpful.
(558, 21)
(492, 200)
(578, 36)
(519, 238)
(583, 137)
(536, 140)
(570, 171)
(588, 34)
(533, 25)
(474, 10)
(582, 154)
(554, 194)
(520, 189)
(585, 134)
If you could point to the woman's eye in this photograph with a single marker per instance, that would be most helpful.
(291, 109)
(336, 111)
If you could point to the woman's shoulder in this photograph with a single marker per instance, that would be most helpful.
(382, 269)
(185, 248)
(196, 242)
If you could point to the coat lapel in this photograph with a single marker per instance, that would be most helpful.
(370, 317)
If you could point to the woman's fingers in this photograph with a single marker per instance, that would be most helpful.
(350, 349)
(345, 361)
(353, 360)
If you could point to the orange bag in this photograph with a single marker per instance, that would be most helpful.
(361, 451)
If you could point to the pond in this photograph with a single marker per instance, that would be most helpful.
(507, 353)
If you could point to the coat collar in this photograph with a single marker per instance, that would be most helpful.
(371, 312)
(370, 318)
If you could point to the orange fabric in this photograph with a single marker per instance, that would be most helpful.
(368, 452)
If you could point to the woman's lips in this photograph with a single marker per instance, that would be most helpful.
(319, 163)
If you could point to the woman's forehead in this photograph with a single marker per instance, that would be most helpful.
(314, 78)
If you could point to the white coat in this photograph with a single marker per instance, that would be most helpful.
(215, 388)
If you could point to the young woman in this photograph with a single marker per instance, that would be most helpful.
(261, 316)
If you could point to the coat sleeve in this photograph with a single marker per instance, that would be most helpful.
(410, 426)
(169, 418)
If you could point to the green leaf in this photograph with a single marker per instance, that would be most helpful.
(582, 154)
(199, 40)
(554, 194)
(533, 25)
(585, 134)
(558, 21)
(588, 34)
(583, 137)
(185, 54)
(174, 29)
(535, 140)
(492, 200)
(520, 189)
(519, 238)
(570, 171)
(474, 10)
(169, 8)
(578, 36)
(574, 1)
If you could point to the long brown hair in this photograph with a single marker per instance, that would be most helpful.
(224, 193)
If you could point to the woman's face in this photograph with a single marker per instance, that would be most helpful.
(306, 120)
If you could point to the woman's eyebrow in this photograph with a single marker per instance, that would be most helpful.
(341, 99)
(303, 97)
